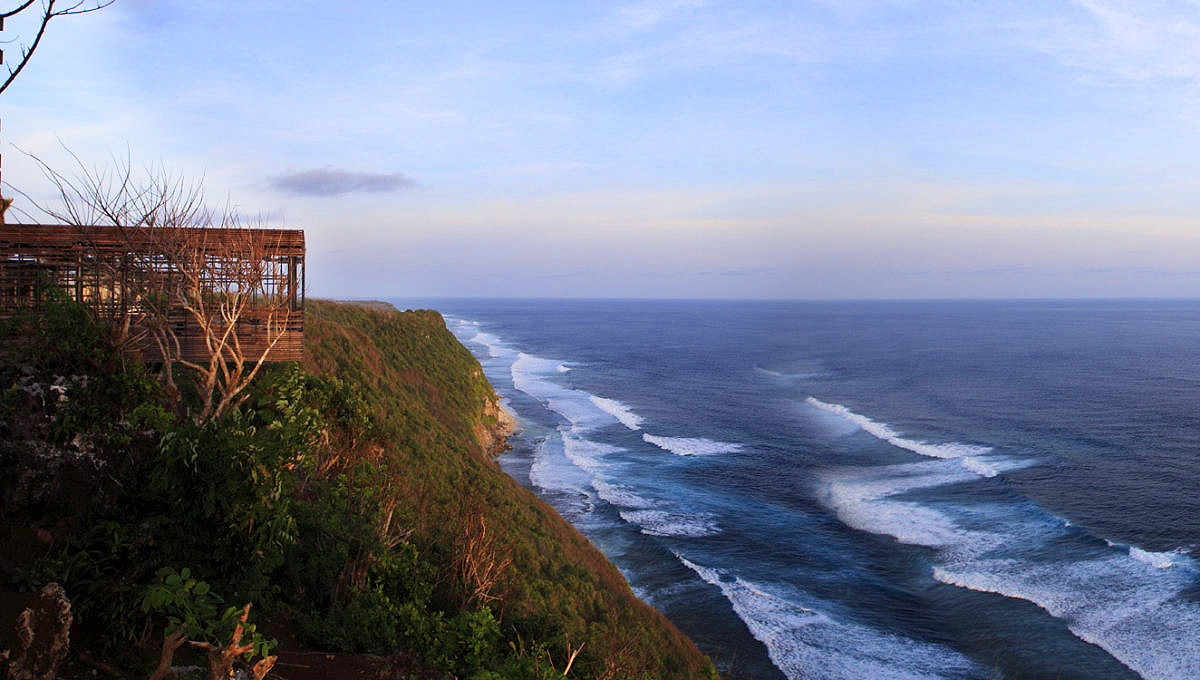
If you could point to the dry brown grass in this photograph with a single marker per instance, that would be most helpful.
(480, 561)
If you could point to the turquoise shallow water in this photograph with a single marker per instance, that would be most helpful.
(859, 489)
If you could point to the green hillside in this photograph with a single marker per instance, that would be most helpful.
(353, 501)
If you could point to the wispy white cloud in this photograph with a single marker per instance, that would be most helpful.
(754, 138)
(1142, 41)
(649, 13)
(699, 45)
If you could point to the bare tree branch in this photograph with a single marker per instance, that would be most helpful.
(17, 11)
(48, 12)
(205, 288)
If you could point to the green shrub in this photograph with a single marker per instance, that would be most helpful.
(192, 608)
(333, 498)
(87, 386)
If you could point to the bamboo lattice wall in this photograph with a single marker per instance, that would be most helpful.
(112, 270)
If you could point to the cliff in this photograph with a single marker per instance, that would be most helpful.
(353, 501)
(556, 576)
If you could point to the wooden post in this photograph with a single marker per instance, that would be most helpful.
(3, 208)
(292, 283)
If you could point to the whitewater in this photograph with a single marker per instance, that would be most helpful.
(889, 490)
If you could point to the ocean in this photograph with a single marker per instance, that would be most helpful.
(949, 489)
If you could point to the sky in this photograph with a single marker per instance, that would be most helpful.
(662, 148)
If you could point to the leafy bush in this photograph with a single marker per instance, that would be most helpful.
(348, 498)
(193, 609)
(60, 365)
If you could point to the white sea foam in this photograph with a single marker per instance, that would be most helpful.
(691, 446)
(665, 523)
(979, 466)
(566, 461)
(1162, 560)
(535, 376)
(533, 365)
(571, 405)
(804, 642)
(527, 373)
(551, 470)
(1126, 600)
(617, 410)
(494, 345)
(860, 498)
(1129, 607)
(887, 434)
(621, 495)
(562, 368)
(788, 376)
(585, 453)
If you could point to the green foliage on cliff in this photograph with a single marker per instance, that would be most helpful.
(425, 390)
(351, 500)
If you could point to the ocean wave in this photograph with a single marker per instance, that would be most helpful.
(1129, 607)
(860, 497)
(572, 405)
(536, 376)
(1161, 560)
(552, 470)
(789, 376)
(978, 466)
(691, 446)
(621, 495)
(887, 434)
(585, 453)
(1166, 559)
(533, 365)
(618, 410)
(672, 524)
(1129, 601)
(494, 345)
(527, 377)
(806, 643)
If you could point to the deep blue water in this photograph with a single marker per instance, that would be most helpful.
(874, 489)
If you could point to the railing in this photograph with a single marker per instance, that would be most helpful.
(112, 270)
(283, 342)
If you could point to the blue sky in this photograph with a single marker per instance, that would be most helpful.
(664, 148)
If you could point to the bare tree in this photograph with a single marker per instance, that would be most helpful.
(49, 10)
(221, 283)
(480, 561)
(198, 283)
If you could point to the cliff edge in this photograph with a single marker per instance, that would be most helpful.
(347, 519)
(555, 575)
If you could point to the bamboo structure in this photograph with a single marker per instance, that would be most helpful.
(125, 274)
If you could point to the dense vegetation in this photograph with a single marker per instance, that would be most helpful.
(352, 501)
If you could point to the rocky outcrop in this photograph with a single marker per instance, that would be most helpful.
(42, 637)
(495, 427)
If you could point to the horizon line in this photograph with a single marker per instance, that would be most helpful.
(1192, 298)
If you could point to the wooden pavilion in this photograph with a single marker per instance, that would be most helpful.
(124, 273)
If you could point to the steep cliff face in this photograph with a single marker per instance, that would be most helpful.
(414, 370)
(356, 504)
(493, 429)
